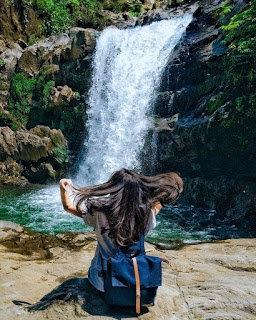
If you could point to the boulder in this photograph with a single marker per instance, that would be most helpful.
(11, 173)
(38, 153)
(22, 145)
(49, 53)
(60, 95)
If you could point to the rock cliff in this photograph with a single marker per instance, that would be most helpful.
(205, 113)
(37, 155)
(42, 83)
(45, 277)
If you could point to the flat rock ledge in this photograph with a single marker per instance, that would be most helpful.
(45, 277)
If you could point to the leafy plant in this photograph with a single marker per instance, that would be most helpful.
(24, 91)
(240, 37)
(225, 8)
(59, 15)
(21, 94)
(2, 63)
(241, 30)
(60, 154)
(135, 9)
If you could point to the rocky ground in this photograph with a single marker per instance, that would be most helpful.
(208, 281)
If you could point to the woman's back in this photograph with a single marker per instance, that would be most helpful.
(106, 246)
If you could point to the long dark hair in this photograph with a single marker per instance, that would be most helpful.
(127, 198)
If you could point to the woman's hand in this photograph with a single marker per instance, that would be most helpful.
(64, 183)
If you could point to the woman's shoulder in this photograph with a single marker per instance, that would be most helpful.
(89, 216)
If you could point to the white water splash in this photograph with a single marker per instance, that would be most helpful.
(127, 67)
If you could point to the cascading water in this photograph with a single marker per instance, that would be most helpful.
(127, 68)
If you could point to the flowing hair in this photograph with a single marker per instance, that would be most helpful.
(127, 198)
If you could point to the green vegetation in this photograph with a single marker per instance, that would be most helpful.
(29, 105)
(23, 91)
(2, 64)
(63, 14)
(60, 15)
(33, 39)
(21, 94)
(60, 154)
(224, 9)
(214, 103)
(135, 9)
(238, 65)
(236, 74)
(240, 37)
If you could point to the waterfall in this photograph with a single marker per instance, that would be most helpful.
(127, 68)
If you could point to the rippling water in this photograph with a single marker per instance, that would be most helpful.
(39, 208)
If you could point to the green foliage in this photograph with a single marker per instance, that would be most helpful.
(116, 6)
(33, 39)
(241, 30)
(60, 154)
(135, 9)
(42, 91)
(225, 8)
(214, 103)
(59, 14)
(14, 127)
(23, 91)
(76, 95)
(2, 63)
(239, 63)
(90, 9)
(235, 127)
(21, 94)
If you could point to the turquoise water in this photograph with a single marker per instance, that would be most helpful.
(39, 208)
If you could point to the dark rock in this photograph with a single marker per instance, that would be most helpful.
(210, 148)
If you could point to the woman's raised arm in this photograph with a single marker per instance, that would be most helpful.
(65, 198)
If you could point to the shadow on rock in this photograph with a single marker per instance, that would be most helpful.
(80, 291)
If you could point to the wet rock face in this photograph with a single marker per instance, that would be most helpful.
(55, 50)
(37, 155)
(59, 65)
(232, 201)
(51, 55)
(207, 281)
(209, 144)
